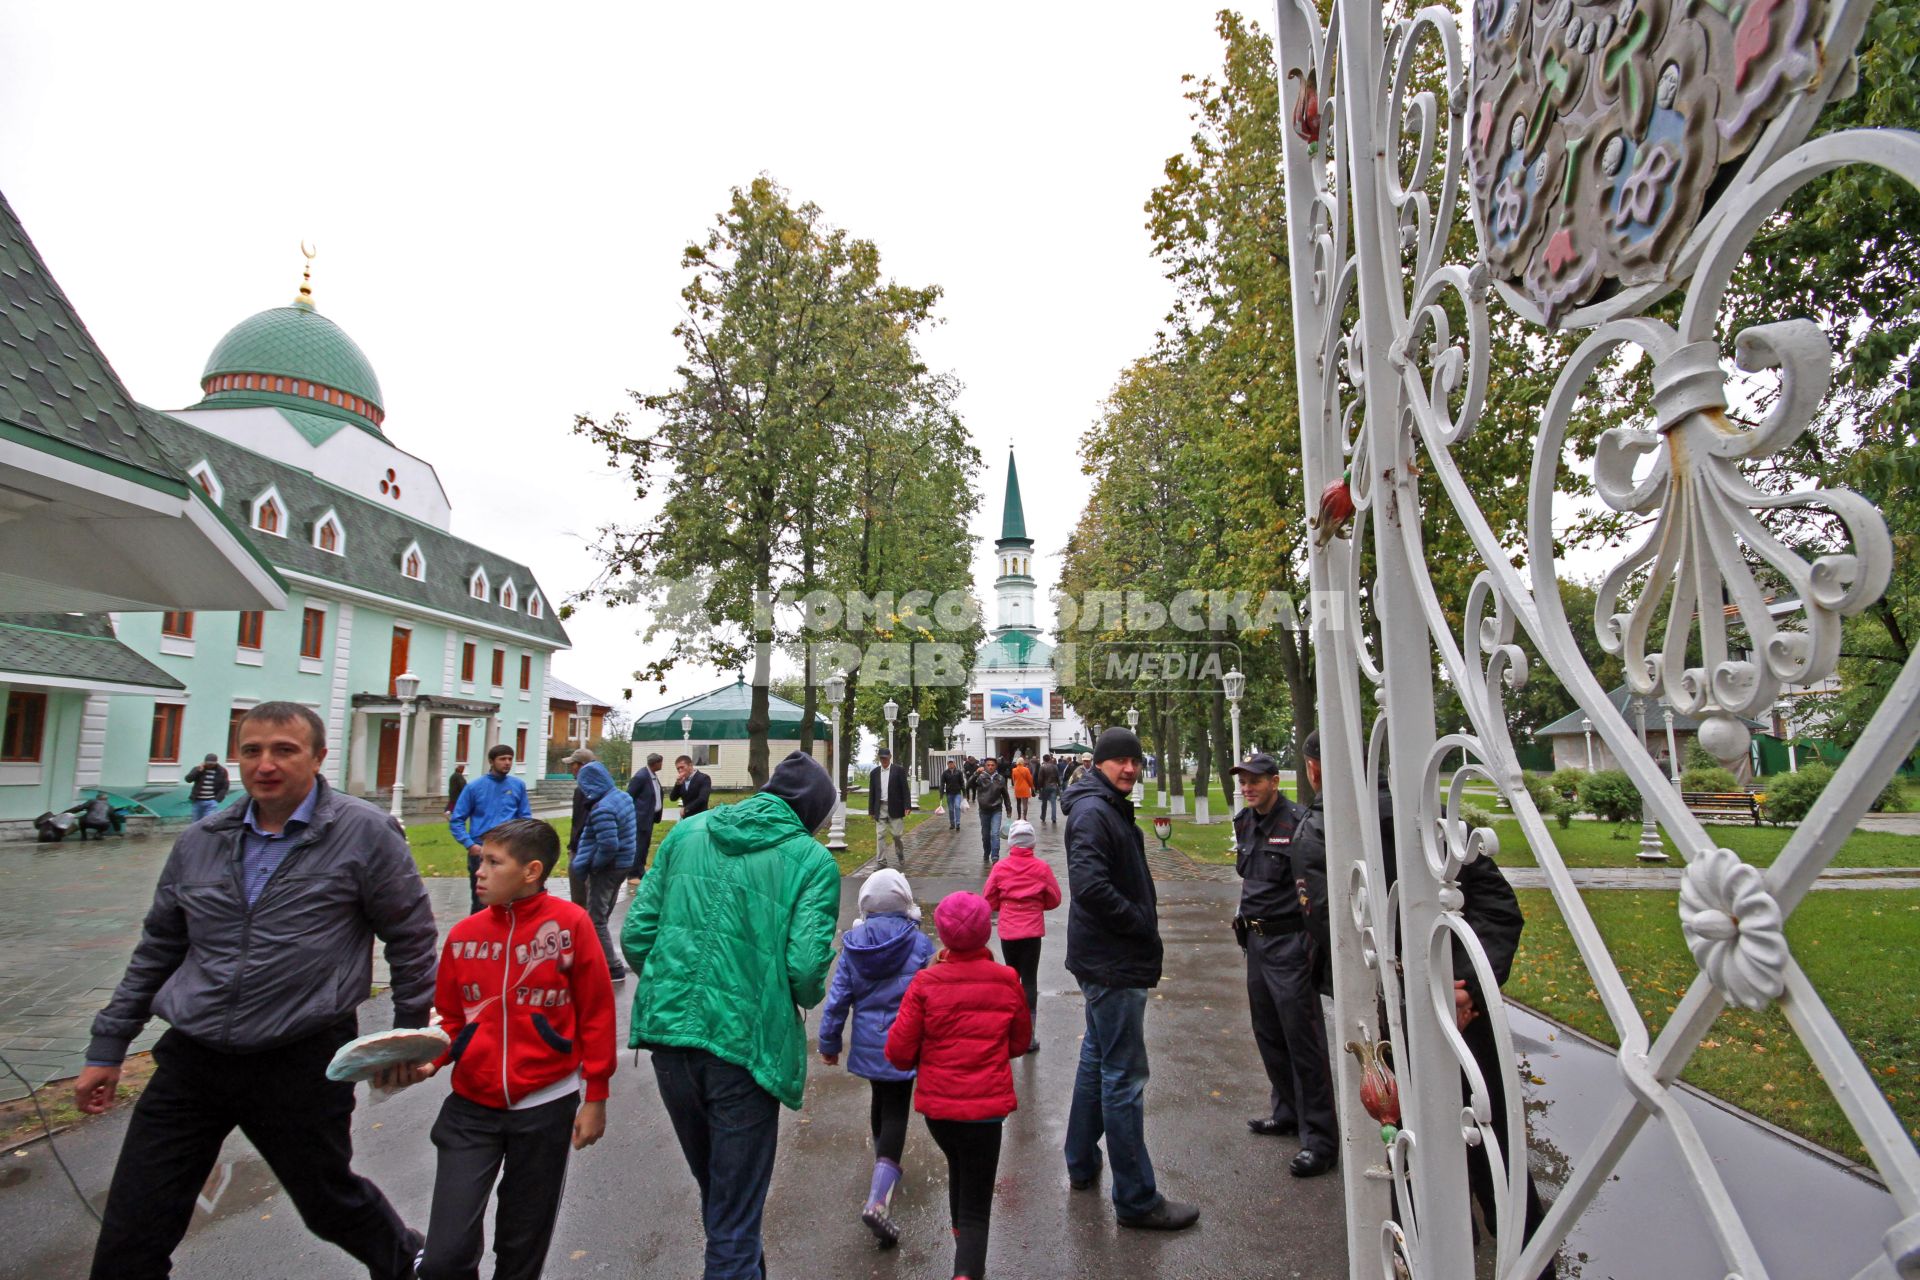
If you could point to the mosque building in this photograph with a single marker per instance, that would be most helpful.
(1014, 705)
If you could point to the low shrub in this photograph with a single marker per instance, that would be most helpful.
(1709, 779)
(1563, 811)
(1695, 756)
(1610, 796)
(1790, 796)
(1474, 816)
(1567, 781)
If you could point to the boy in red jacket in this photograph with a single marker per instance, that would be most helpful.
(963, 1019)
(525, 993)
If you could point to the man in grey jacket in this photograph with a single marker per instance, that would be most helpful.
(257, 950)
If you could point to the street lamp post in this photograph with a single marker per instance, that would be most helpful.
(1133, 727)
(837, 830)
(405, 685)
(892, 713)
(686, 747)
(913, 753)
(1236, 685)
(1586, 727)
(1650, 850)
(1673, 745)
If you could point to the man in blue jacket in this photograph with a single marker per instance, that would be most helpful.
(494, 797)
(605, 854)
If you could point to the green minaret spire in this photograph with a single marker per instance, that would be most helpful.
(1013, 524)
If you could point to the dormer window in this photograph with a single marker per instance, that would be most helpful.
(202, 475)
(328, 536)
(270, 513)
(508, 598)
(536, 607)
(413, 564)
(477, 585)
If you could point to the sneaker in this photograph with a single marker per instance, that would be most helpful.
(618, 975)
(884, 1229)
(419, 1245)
(1171, 1215)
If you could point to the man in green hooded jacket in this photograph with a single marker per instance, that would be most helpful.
(731, 937)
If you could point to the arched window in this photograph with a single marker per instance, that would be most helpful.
(413, 564)
(509, 599)
(329, 536)
(266, 517)
(535, 606)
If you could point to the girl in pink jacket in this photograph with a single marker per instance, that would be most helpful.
(1022, 889)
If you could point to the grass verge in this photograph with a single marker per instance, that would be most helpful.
(1591, 843)
(1854, 946)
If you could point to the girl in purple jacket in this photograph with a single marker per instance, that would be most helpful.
(878, 957)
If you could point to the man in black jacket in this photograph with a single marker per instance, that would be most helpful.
(1282, 995)
(1113, 949)
(887, 796)
(953, 789)
(649, 805)
(991, 796)
(691, 788)
(581, 805)
(257, 950)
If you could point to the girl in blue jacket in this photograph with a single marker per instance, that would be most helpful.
(878, 957)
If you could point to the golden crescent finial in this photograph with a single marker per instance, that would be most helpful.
(305, 298)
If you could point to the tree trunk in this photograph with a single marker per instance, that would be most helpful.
(1171, 765)
(1298, 671)
(1203, 772)
(1223, 747)
(759, 714)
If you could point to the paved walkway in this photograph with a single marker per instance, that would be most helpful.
(936, 849)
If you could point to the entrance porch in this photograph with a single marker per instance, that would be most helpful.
(444, 732)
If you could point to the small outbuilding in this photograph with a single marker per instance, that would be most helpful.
(1576, 746)
(712, 728)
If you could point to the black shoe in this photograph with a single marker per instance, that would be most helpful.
(1267, 1127)
(1170, 1216)
(1311, 1164)
(1084, 1184)
(619, 975)
(1033, 1046)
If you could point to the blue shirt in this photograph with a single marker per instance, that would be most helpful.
(262, 852)
(484, 804)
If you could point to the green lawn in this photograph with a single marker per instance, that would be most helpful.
(437, 854)
(1853, 946)
(1591, 843)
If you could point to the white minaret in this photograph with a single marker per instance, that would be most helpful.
(1014, 588)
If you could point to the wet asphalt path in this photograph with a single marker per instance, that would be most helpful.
(631, 1208)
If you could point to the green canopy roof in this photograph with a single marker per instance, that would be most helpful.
(722, 714)
(1072, 749)
(1015, 649)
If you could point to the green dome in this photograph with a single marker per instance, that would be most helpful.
(309, 361)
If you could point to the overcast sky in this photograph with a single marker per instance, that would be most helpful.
(500, 197)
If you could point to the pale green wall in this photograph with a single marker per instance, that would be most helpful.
(59, 751)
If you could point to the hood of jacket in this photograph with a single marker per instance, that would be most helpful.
(803, 783)
(594, 781)
(761, 821)
(879, 948)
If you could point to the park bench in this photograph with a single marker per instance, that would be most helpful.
(1723, 804)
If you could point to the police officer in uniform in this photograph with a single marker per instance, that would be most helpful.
(1282, 989)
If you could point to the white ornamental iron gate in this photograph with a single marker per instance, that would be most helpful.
(1607, 155)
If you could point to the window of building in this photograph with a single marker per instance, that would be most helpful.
(462, 739)
(328, 537)
(976, 706)
(499, 667)
(26, 727)
(535, 606)
(266, 516)
(234, 717)
(164, 745)
(469, 657)
(202, 474)
(546, 726)
(705, 754)
(252, 624)
(520, 744)
(526, 671)
(413, 564)
(179, 625)
(313, 632)
(508, 599)
(477, 584)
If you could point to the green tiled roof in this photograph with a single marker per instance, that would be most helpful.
(1015, 649)
(1013, 521)
(54, 380)
(377, 536)
(723, 714)
(295, 342)
(73, 647)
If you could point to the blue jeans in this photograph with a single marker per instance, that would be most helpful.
(727, 1126)
(990, 833)
(201, 808)
(1049, 804)
(1109, 1098)
(953, 811)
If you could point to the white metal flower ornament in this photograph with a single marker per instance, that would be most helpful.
(1733, 927)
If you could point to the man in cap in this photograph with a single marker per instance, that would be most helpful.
(1113, 949)
(887, 795)
(209, 783)
(581, 805)
(1270, 836)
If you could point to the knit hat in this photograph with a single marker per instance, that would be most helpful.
(805, 785)
(1118, 744)
(1021, 833)
(964, 920)
(886, 892)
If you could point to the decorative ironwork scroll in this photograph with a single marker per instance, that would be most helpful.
(1607, 155)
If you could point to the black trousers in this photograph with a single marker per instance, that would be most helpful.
(1023, 957)
(1292, 1037)
(473, 883)
(474, 1142)
(299, 1121)
(887, 1115)
(1480, 1173)
(973, 1158)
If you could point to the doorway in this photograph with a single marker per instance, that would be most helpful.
(389, 764)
